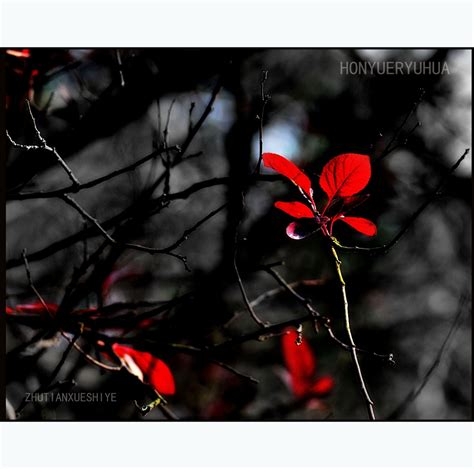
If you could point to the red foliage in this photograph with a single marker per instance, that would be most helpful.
(295, 209)
(33, 309)
(362, 225)
(288, 169)
(345, 175)
(147, 368)
(300, 362)
(37, 308)
(341, 178)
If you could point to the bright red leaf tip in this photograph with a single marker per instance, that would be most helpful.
(345, 175)
(362, 225)
(295, 209)
(288, 169)
(147, 368)
(300, 362)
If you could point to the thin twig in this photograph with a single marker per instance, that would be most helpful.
(87, 216)
(64, 334)
(207, 355)
(369, 403)
(169, 249)
(155, 204)
(243, 191)
(51, 378)
(389, 148)
(43, 146)
(324, 321)
(416, 391)
(74, 188)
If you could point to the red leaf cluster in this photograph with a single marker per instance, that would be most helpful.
(341, 179)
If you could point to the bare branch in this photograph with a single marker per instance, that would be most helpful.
(369, 403)
(74, 188)
(43, 146)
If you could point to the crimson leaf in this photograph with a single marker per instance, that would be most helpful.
(362, 225)
(295, 209)
(147, 368)
(345, 175)
(299, 360)
(288, 169)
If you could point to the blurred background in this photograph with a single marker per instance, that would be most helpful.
(105, 109)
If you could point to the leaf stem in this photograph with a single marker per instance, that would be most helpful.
(353, 348)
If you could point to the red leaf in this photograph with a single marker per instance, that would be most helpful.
(34, 308)
(295, 209)
(322, 386)
(299, 360)
(147, 368)
(362, 225)
(345, 175)
(288, 169)
(301, 229)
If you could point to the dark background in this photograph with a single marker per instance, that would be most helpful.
(404, 302)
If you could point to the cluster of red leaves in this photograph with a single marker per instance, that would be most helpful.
(341, 179)
(300, 362)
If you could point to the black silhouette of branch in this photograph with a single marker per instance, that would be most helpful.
(89, 358)
(74, 188)
(264, 98)
(154, 206)
(394, 142)
(43, 146)
(239, 201)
